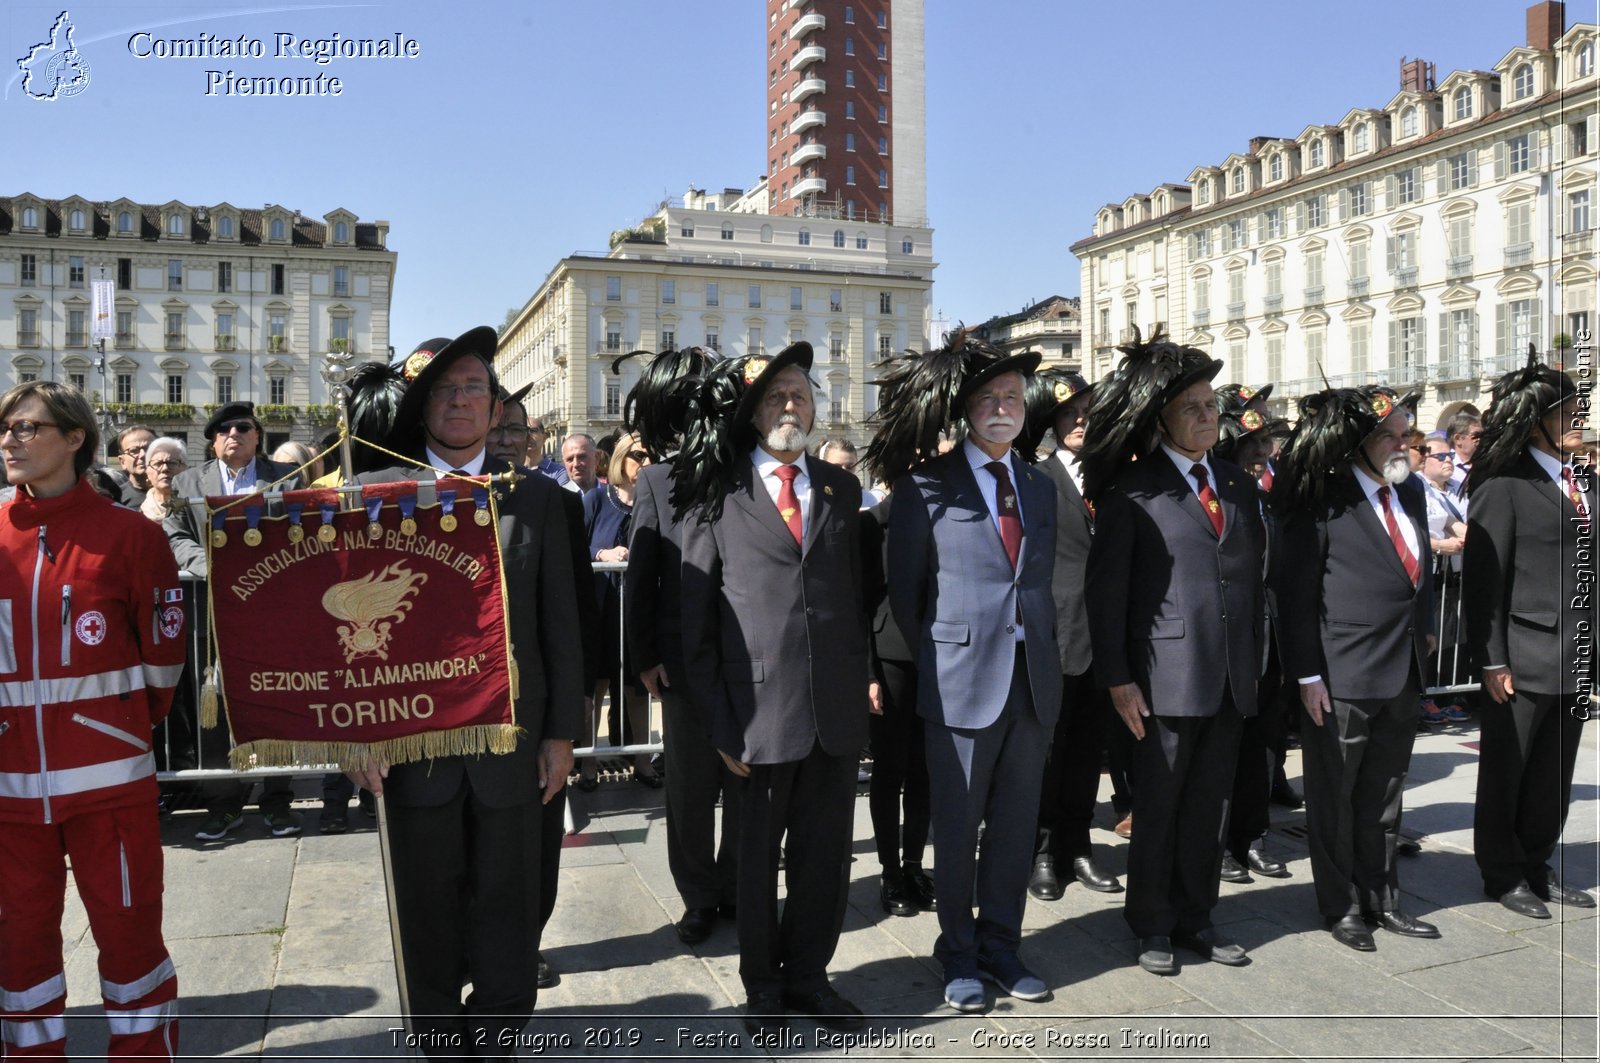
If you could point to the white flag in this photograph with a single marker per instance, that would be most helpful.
(104, 326)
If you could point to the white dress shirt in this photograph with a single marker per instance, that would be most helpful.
(1552, 468)
(1184, 464)
(1069, 461)
(472, 467)
(240, 483)
(767, 470)
(989, 487)
(1408, 532)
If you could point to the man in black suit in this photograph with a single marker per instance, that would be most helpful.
(1059, 401)
(704, 869)
(1530, 615)
(1356, 606)
(236, 468)
(1176, 611)
(775, 636)
(465, 830)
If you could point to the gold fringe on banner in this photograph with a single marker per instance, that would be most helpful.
(208, 698)
(354, 756)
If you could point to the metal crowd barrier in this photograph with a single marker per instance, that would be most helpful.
(1451, 671)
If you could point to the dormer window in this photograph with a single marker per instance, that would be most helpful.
(341, 232)
(1463, 103)
(1203, 192)
(276, 230)
(1522, 82)
(75, 221)
(1238, 181)
(124, 222)
(1360, 138)
(1275, 168)
(175, 225)
(30, 217)
(1585, 63)
(225, 228)
(1316, 153)
(1408, 122)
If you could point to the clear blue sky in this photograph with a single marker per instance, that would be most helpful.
(526, 131)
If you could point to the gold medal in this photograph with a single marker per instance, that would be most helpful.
(252, 537)
(326, 533)
(296, 533)
(219, 539)
(447, 522)
(408, 527)
(374, 530)
(482, 517)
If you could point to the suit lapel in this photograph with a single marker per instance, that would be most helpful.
(1231, 487)
(1374, 526)
(750, 495)
(1069, 490)
(965, 479)
(822, 503)
(1178, 487)
(1038, 505)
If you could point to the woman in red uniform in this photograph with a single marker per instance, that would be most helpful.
(91, 647)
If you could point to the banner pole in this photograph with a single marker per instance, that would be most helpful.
(336, 373)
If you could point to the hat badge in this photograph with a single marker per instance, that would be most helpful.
(1381, 405)
(753, 368)
(1251, 420)
(1063, 391)
(416, 364)
(1246, 393)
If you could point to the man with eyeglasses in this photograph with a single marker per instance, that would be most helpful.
(1447, 534)
(1463, 431)
(237, 468)
(537, 459)
(131, 444)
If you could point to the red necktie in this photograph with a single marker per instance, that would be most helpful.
(1573, 492)
(1266, 478)
(789, 502)
(1005, 498)
(1208, 498)
(1413, 569)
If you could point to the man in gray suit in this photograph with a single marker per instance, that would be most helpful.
(774, 635)
(236, 468)
(1177, 615)
(971, 552)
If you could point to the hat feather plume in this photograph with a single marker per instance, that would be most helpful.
(916, 402)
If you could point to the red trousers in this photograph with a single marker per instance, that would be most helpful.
(116, 863)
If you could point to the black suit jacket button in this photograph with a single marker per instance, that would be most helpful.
(810, 611)
(1011, 629)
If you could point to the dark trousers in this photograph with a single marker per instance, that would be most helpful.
(277, 791)
(1355, 766)
(1072, 772)
(467, 883)
(1184, 765)
(989, 775)
(899, 770)
(814, 801)
(551, 832)
(1262, 743)
(1119, 765)
(704, 869)
(1525, 762)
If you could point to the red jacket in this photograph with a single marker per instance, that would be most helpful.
(91, 648)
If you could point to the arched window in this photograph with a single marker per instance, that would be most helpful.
(225, 228)
(805, 237)
(175, 225)
(277, 230)
(77, 220)
(1316, 153)
(1586, 59)
(727, 231)
(1361, 139)
(1275, 168)
(1238, 180)
(341, 232)
(1522, 82)
(1408, 122)
(838, 238)
(30, 218)
(1463, 103)
(124, 222)
(766, 234)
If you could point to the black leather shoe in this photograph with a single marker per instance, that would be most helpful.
(1523, 901)
(1352, 931)
(546, 977)
(696, 925)
(894, 897)
(919, 886)
(1556, 893)
(764, 1013)
(1402, 924)
(1286, 795)
(827, 1008)
(1155, 955)
(1094, 878)
(1213, 946)
(1264, 865)
(1233, 871)
(1407, 847)
(1044, 884)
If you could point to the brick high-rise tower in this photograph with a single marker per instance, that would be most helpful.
(846, 121)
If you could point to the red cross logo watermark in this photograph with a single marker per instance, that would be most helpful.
(91, 628)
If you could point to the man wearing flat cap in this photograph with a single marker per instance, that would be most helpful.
(1176, 612)
(1528, 587)
(971, 552)
(237, 467)
(774, 635)
(1356, 601)
(465, 831)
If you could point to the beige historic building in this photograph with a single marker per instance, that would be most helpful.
(1424, 242)
(1052, 326)
(715, 270)
(209, 304)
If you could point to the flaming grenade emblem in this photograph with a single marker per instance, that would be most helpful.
(372, 604)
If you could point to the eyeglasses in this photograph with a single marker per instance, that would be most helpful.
(639, 456)
(514, 431)
(472, 389)
(538, 429)
(1443, 455)
(24, 431)
(135, 450)
(163, 466)
(229, 427)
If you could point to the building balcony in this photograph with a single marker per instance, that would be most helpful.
(1359, 287)
(808, 120)
(124, 341)
(77, 339)
(174, 341)
(807, 88)
(1200, 317)
(807, 23)
(1458, 267)
(1408, 373)
(1454, 369)
(808, 153)
(1313, 296)
(606, 412)
(811, 53)
(1519, 255)
(1578, 243)
(1272, 304)
(809, 185)
(1235, 312)
(1405, 278)
(27, 338)
(224, 343)
(277, 344)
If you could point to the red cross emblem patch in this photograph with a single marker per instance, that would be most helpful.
(91, 628)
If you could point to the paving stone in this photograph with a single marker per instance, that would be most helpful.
(1530, 984)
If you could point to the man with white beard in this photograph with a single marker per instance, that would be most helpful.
(1356, 607)
(971, 555)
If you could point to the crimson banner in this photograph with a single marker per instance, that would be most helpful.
(374, 631)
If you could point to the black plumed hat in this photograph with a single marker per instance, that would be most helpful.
(1333, 424)
(1048, 390)
(1519, 401)
(376, 389)
(1125, 416)
(423, 368)
(1234, 425)
(1231, 397)
(659, 405)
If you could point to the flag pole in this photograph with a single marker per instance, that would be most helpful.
(336, 373)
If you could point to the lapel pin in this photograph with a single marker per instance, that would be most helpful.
(827, 489)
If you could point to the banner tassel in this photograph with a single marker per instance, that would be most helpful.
(513, 675)
(208, 698)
